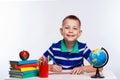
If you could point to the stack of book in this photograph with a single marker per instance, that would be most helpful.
(23, 69)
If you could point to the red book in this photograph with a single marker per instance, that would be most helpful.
(24, 65)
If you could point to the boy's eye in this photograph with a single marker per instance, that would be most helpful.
(75, 28)
(66, 27)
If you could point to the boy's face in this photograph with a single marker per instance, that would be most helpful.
(70, 30)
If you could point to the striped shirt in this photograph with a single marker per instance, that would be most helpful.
(68, 60)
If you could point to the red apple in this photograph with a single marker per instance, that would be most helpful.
(24, 55)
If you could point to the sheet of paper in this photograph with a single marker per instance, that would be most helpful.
(63, 72)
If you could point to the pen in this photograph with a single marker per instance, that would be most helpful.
(48, 58)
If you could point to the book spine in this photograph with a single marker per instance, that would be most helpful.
(30, 75)
(27, 62)
(32, 71)
(23, 76)
(24, 65)
(28, 69)
(23, 73)
(17, 73)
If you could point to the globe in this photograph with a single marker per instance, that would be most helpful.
(98, 58)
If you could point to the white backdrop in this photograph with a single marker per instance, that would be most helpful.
(34, 26)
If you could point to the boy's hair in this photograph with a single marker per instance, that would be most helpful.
(71, 17)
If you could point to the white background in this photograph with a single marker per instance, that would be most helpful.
(34, 26)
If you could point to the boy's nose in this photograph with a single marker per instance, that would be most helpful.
(70, 30)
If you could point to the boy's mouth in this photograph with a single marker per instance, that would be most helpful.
(70, 35)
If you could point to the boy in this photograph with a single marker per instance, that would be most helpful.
(69, 53)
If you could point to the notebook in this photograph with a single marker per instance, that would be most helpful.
(63, 72)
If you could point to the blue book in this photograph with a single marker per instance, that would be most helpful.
(23, 76)
(24, 73)
(24, 62)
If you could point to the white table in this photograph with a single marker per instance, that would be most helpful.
(86, 76)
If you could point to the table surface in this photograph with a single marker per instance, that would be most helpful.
(86, 76)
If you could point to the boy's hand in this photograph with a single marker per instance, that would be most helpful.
(77, 70)
(55, 68)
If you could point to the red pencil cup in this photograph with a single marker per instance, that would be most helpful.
(43, 71)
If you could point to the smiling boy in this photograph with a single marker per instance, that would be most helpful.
(69, 53)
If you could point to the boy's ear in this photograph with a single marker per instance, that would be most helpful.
(61, 31)
(80, 32)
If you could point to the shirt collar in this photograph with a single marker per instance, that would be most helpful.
(64, 48)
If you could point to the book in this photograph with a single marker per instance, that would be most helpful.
(24, 69)
(23, 76)
(24, 62)
(63, 72)
(24, 73)
(23, 65)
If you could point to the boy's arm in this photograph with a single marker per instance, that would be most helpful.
(89, 68)
(55, 68)
(50, 67)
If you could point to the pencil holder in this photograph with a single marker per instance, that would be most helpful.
(43, 71)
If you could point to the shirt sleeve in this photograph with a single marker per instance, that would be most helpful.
(49, 52)
(86, 53)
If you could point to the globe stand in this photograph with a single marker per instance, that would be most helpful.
(97, 75)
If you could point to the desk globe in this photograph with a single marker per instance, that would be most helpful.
(98, 58)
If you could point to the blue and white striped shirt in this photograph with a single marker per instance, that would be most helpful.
(68, 60)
